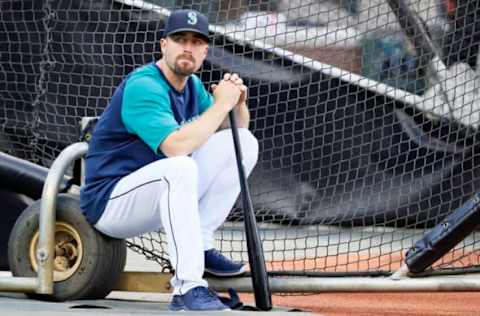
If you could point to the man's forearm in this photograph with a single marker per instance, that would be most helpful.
(242, 117)
(192, 135)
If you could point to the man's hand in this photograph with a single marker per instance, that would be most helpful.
(227, 94)
(240, 108)
(235, 79)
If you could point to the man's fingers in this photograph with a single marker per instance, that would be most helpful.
(234, 77)
(229, 82)
(213, 86)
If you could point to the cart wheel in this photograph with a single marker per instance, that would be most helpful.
(87, 264)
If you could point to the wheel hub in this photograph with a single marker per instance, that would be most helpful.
(68, 251)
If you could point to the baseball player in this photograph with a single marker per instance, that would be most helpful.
(162, 157)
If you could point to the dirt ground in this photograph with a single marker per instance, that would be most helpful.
(388, 304)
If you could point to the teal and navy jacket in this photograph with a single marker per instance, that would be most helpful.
(143, 111)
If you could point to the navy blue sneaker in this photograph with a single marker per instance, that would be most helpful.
(199, 298)
(218, 265)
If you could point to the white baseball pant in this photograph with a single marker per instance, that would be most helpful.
(188, 197)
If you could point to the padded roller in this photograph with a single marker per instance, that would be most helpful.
(25, 177)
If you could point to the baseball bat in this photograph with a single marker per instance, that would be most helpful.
(415, 30)
(256, 259)
(427, 51)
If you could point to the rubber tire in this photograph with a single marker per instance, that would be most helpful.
(13, 205)
(103, 257)
(114, 266)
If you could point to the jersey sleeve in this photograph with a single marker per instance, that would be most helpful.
(205, 98)
(146, 111)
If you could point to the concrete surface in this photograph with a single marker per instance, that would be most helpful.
(118, 303)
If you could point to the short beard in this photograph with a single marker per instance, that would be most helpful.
(180, 71)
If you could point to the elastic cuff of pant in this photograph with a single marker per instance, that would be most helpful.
(207, 246)
(187, 286)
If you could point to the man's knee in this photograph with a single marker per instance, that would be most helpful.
(185, 168)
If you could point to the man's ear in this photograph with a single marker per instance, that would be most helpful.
(206, 52)
(163, 42)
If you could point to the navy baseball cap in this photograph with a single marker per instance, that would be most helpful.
(187, 21)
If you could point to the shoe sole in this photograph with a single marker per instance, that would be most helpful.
(176, 309)
(184, 309)
(226, 274)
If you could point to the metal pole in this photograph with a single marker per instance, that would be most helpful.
(402, 272)
(45, 252)
(18, 284)
(83, 123)
(470, 282)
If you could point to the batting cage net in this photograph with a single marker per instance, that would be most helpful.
(368, 136)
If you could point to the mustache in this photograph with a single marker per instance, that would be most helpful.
(186, 56)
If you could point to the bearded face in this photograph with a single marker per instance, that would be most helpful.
(184, 65)
(184, 52)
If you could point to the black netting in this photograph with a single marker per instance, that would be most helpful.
(367, 138)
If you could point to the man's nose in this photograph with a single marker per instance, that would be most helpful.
(187, 46)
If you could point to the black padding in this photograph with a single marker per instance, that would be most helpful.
(443, 237)
(24, 177)
(328, 147)
(13, 205)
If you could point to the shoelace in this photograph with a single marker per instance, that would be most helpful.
(204, 293)
(217, 254)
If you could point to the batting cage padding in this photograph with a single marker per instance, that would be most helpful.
(24, 177)
(362, 148)
(13, 205)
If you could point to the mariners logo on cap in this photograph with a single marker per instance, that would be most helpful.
(192, 18)
(186, 21)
